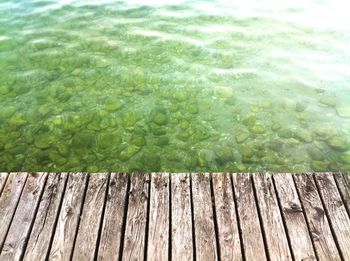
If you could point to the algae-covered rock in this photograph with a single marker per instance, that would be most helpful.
(343, 111)
(303, 135)
(224, 154)
(275, 126)
(57, 158)
(257, 129)
(129, 119)
(113, 105)
(285, 133)
(108, 140)
(129, 152)
(206, 158)
(338, 142)
(162, 141)
(138, 141)
(224, 92)
(249, 120)
(84, 139)
(17, 120)
(345, 157)
(316, 153)
(242, 136)
(160, 118)
(317, 165)
(300, 106)
(44, 141)
(4, 90)
(328, 101)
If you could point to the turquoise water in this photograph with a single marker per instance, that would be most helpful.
(183, 86)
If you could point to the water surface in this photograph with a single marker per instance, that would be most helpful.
(182, 86)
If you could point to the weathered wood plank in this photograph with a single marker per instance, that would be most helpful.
(292, 211)
(334, 206)
(114, 216)
(206, 245)
(253, 243)
(321, 234)
(68, 219)
(90, 219)
(18, 233)
(343, 181)
(3, 178)
(135, 230)
(44, 225)
(9, 200)
(276, 238)
(181, 217)
(228, 233)
(158, 230)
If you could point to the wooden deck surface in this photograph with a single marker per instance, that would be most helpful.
(182, 216)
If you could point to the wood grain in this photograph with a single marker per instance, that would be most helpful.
(135, 230)
(18, 233)
(113, 219)
(343, 181)
(228, 233)
(181, 218)
(8, 201)
(253, 243)
(316, 218)
(3, 178)
(276, 238)
(206, 245)
(45, 221)
(90, 219)
(68, 219)
(338, 216)
(297, 229)
(158, 232)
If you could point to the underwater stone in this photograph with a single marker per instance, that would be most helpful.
(257, 129)
(285, 133)
(7, 112)
(102, 63)
(206, 158)
(224, 92)
(249, 120)
(328, 101)
(129, 119)
(113, 105)
(17, 120)
(343, 111)
(129, 152)
(44, 141)
(317, 165)
(224, 154)
(300, 106)
(162, 141)
(4, 90)
(85, 139)
(138, 141)
(303, 135)
(242, 136)
(338, 142)
(160, 118)
(345, 157)
(316, 154)
(108, 140)
(57, 158)
(275, 126)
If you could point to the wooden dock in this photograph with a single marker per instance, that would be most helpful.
(182, 216)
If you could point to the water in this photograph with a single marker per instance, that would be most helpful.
(183, 86)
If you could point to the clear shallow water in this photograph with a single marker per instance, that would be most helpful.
(187, 86)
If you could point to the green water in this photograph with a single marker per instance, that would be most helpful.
(183, 86)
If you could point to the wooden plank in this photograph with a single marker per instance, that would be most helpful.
(68, 219)
(8, 201)
(321, 234)
(3, 178)
(252, 238)
(276, 238)
(114, 216)
(158, 230)
(343, 181)
(23, 219)
(292, 211)
(334, 206)
(228, 233)
(43, 228)
(181, 217)
(91, 217)
(206, 245)
(135, 230)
